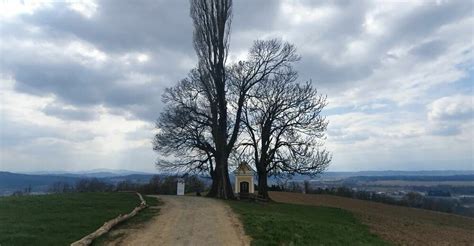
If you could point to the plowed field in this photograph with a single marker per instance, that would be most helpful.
(400, 225)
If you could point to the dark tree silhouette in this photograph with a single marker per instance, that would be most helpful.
(185, 128)
(201, 123)
(284, 128)
(211, 19)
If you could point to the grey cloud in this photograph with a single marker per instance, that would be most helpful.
(163, 30)
(430, 49)
(254, 15)
(65, 113)
(348, 23)
(330, 75)
(429, 17)
(84, 87)
(346, 136)
(332, 34)
(45, 155)
(112, 84)
(141, 133)
(15, 134)
(409, 28)
(445, 130)
(71, 82)
(122, 25)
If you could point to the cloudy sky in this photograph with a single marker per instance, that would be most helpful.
(81, 82)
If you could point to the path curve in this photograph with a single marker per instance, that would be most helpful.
(189, 220)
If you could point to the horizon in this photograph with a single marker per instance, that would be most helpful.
(107, 170)
(81, 82)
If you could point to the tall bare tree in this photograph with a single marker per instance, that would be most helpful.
(202, 121)
(211, 19)
(284, 128)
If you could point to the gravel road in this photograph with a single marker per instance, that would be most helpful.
(188, 220)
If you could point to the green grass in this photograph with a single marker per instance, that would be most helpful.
(144, 215)
(133, 223)
(290, 224)
(58, 219)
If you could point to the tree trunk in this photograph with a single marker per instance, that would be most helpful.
(221, 186)
(262, 185)
(213, 191)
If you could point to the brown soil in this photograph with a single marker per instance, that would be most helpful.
(400, 225)
(188, 220)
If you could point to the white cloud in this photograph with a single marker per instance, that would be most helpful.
(87, 8)
(81, 81)
(452, 116)
(298, 13)
(456, 107)
(48, 141)
(85, 53)
(10, 9)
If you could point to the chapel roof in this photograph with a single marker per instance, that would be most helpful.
(244, 168)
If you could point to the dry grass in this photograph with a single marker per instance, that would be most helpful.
(400, 225)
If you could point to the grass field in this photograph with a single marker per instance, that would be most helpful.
(58, 219)
(134, 223)
(400, 225)
(291, 224)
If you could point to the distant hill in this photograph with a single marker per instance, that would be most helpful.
(380, 175)
(467, 177)
(136, 178)
(40, 181)
(94, 173)
(414, 173)
(10, 182)
(343, 175)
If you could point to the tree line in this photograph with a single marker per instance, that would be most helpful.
(164, 185)
(252, 110)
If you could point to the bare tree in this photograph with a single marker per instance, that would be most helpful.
(202, 121)
(185, 128)
(284, 128)
(211, 19)
(189, 128)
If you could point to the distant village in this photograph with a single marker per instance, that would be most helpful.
(452, 194)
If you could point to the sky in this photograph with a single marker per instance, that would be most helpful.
(81, 81)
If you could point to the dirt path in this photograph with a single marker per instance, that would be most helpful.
(188, 220)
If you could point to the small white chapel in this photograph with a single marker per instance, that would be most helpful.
(244, 176)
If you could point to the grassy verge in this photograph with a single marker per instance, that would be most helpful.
(134, 223)
(145, 214)
(290, 224)
(58, 219)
